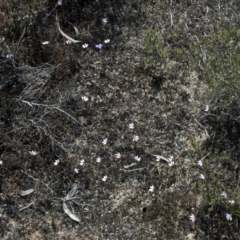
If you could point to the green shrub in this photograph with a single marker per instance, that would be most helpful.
(219, 58)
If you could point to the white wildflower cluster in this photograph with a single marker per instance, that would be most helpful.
(107, 41)
(81, 163)
(228, 216)
(192, 218)
(200, 163)
(104, 20)
(137, 158)
(45, 42)
(85, 45)
(34, 153)
(135, 138)
(85, 98)
(151, 189)
(131, 125)
(202, 176)
(206, 108)
(56, 162)
(224, 194)
(171, 162)
(105, 140)
(104, 178)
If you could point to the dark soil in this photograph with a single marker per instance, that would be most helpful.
(42, 109)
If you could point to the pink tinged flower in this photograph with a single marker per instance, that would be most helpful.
(99, 46)
(85, 99)
(104, 20)
(98, 159)
(206, 108)
(202, 176)
(105, 140)
(137, 158)
(107, 41)
(118, 155)
(104, 178)
(56, 162)
(228, 217)
(224, 194)
(1, 162)
(192, 218)
(151, 189)
(200, 163)
(135, 138)
(82, 162)
(131, 125)
(85, 45)
(34, 153)
(76, 170)
(68, 42)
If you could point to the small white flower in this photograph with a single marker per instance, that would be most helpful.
(98, 159)
(224, 194)
(104, 178)
(202, 176)
(131, 125)
(171, 162)
(85, 45)
(34, 153)
(59, 2)
(200, 163)
(135, 138)
(1, 162)
(9, 56)
(85, 99)
(107, 41)
(76, 170)
(228, 217)
(151, 189)
(104, 20)
(137, 158)
(68, 42)
(56, 162)
(118, 155)
(231, 202)
(105, 140)
(45, 43)
(82, 162)
(192, 218)
(206, 108)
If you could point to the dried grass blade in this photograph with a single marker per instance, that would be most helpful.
(69, 213)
